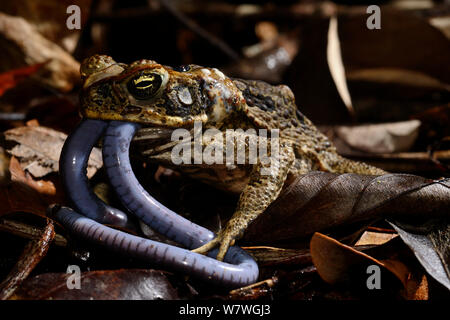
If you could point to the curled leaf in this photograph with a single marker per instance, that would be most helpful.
(431, 249)
(320, 201)
(338, 263)
(337, 69)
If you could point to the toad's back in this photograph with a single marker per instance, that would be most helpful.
(274, 107)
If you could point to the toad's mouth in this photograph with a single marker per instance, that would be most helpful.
(145, 115)
(149, 140)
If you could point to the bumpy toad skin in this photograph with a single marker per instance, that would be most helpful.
(163, 98)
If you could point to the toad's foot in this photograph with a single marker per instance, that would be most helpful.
(224, 240)
(266, 182)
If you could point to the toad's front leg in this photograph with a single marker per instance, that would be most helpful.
(266, 181)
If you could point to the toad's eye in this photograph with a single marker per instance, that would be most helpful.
(144, 86)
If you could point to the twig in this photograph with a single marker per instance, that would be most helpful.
(31, 256)
(193, 26)
(27, 231)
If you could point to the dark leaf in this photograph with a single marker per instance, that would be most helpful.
(19, 197)
(320, 201)
(131, 284)
(339, 263)
(431, 249)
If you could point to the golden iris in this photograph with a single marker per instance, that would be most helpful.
(144, 86)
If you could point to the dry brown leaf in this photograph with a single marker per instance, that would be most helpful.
(338, 263)
(49, 18)
(43, 187)
(375, 238)
(381, 138)
(337, 69)
(19, 197)
(38, 150)
(25, 194)
(22, 45)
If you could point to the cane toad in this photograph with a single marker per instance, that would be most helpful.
(162, 98)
